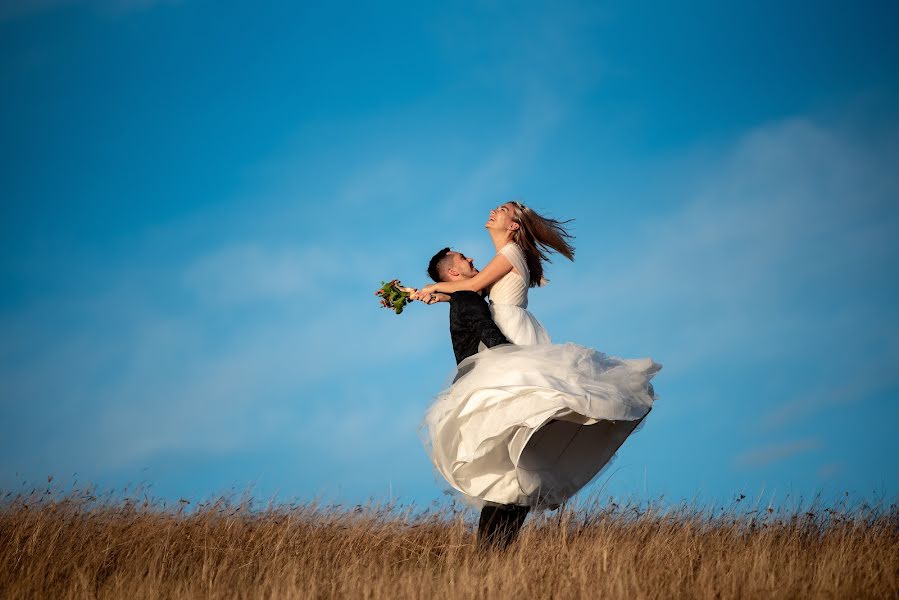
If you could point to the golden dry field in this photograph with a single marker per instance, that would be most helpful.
(76, 545)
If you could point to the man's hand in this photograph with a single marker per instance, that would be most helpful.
(428, 298)
(439, 297)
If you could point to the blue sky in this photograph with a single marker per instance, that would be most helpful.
(199, 198)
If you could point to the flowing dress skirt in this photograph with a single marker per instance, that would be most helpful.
(532, 425)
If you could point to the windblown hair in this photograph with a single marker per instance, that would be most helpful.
(537, 235)
(440, 262)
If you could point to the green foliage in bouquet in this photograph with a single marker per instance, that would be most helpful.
(393, 295)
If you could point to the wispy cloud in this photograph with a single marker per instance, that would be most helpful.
(827, 395)
(500, 168)
(831, 469)
(385, 183)
(546, 75)
(796, 218)
(252, 347)
(246, 272)
(774, 453)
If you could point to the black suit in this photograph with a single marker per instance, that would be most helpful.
(471, 323)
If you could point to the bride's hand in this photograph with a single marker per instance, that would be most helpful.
(419, 295)
(429, 289)
(422, 296)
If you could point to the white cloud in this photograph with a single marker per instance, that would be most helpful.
(726, 275)
(284, 382)
(831, 470)
(796, 218)
(273, 343)
(384, 184)
(860, 383)
(545, 73)
(247, 272)
(774, 453)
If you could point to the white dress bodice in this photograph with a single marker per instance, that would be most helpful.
(509, 301)
(512, 288)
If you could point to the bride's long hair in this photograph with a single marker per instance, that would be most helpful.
(537, 235)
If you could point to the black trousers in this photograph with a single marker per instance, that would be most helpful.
(499, 525)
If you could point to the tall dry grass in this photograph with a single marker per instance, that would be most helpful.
(79, 546)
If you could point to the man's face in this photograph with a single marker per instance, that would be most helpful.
(462, 266)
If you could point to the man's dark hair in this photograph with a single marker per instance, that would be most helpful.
(439, 262)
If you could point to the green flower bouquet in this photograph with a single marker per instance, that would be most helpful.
(395, 296)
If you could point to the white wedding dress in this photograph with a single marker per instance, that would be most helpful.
(531, 423)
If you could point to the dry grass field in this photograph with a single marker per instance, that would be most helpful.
(76, 545)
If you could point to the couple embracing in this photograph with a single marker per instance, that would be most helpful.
(526, 423)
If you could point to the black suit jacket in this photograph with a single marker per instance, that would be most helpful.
(470, 323)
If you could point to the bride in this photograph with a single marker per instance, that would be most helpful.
(529, 423)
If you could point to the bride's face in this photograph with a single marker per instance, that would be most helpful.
(502, 218)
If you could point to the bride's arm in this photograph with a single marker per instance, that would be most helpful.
(493, 272)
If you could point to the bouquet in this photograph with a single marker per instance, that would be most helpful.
(394, 296)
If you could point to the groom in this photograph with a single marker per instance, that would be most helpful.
(470, 324)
